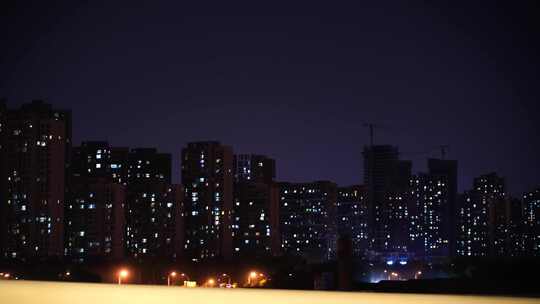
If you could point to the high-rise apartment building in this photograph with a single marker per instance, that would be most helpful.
(95, 220)
(387, 180)
(351, 217)
(254, 168)
(447, 169)
(146, 165)
(531, 222)
(207, 176)
(154, 221)
(139, 204)
(255, 215)
(34, 153)
(429, 200)
(308, 219)
(477, 225)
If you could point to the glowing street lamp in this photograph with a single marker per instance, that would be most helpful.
(171, 274)
(122, 274)
(252, 277)
(210, 282)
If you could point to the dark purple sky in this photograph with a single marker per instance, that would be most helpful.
(293, 81)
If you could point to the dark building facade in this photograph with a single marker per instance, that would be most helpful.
(154, 221)
(35, 148)
(351, 217)
(255, 219)
(95, 220)
(130, 194)
(207, 176)
(146, 165)
(254, 168)
(91, 159)
(387, 180)
(307, 219)
(119, 165)
(505, 228)
(531, 222)
(255, 213)
(154, 208)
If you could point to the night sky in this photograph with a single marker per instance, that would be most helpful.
(293, 81)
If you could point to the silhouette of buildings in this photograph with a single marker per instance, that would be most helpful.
(96, 201)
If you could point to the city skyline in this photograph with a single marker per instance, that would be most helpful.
(367, 147)
(231, 204)
(435, 152)
(100, 203)
(298, 83)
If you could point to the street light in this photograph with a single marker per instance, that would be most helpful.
(122, 274)
(210, 282)
(254, 276)
(171, 274)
